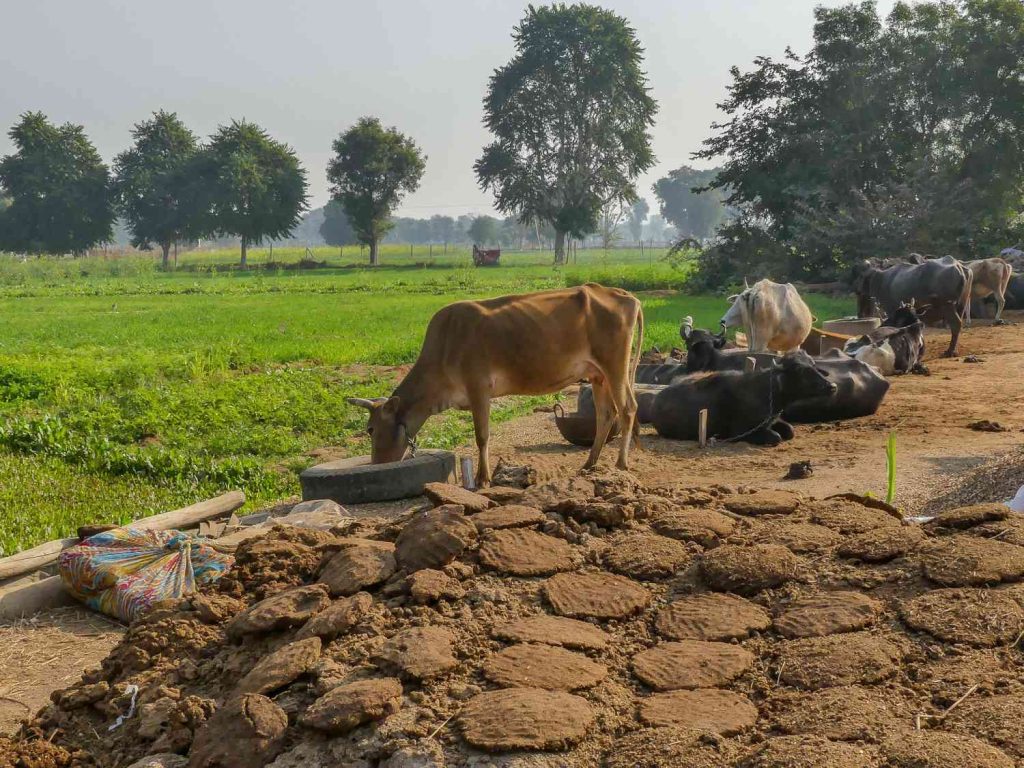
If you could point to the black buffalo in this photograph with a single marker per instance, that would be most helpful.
(741, 405)
(706, 351)
(903, 331)
(942, 285)
(645, 394)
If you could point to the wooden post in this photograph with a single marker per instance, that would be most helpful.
(702, 428)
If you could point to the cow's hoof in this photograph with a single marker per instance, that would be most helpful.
(949, 353)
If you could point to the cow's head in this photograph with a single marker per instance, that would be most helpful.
(389, 438)
(801, 378)
(906, 315)
(734, 316)
(701, 347)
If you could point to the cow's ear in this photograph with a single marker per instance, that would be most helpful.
(391, 405)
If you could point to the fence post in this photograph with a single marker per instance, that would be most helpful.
(702, 428)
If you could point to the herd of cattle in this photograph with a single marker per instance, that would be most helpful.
(539, 343)
(786, 385)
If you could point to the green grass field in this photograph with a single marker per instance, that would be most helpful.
(126, 390)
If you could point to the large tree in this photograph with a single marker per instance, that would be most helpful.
(484, 230)
(694, 211)
(890, 135)
(59, 190)
(570, 114)
(253, 186)
(372, 169)
(336, 229)
(637, 216)
(152, 184)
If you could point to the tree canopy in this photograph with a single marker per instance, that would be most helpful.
(252, 186)
(336, 229)
(889, 136)
(570, 115)
(372, 169)
(153, 185)
(685, 203)
(58, 188)
(484, 230)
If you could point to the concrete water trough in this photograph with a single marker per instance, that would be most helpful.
(357, 481)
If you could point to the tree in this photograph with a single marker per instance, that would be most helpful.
(570, 114)
(59, 190)
(336, 228)
(372, 170)
(152, 184)
(612, 214)
(637, 216)
(889, 136)
(684, 202)
(442, 229)
(252, 186)
(484, 230)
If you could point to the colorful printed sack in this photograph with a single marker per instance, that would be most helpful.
(124, 571)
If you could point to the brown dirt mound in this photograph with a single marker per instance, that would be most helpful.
(748, 570)
(998, 720)
(714, 710)
(543, 666)
(645, 557)
(34, 754)
(525, 718)
(826, 614)
(846, 713)
(811, 752)
(948, 678)
(934, 749)
(848, 659)
(521, 552)
(849, 517)
(511, 516)
(763, 503)
(969, 561)
(979, 617)
(882, 545)
(702, 526)
(595, 595)
(554, 630)
(664, 747)
(711, 617)
(691, 664)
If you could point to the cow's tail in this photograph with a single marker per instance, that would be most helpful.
(639, 343)
(965, 298)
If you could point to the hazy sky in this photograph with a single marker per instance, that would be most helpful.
(306, 70)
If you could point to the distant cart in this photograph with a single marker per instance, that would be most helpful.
(482, 258)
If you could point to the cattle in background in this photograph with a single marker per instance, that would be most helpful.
(531, 344)
(773, 315)
(990, 277)
(942, 285)
(895, 347)
(741, 405)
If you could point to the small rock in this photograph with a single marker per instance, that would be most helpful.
(276, 670)
(247, 732)
(155, 717)
(349, 706)
(513, 476)
(338, 618)
(287, 609)
(83, 695)
(429, 586)
(984, 425)
(799, 470)
(359, 566)
(433, 539)
(444, 493)
(973, 359)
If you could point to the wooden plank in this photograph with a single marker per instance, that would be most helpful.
(32, 598)
(702, 427)
(187, 517)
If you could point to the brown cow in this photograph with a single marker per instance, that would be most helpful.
(531, 344)
(991, 277)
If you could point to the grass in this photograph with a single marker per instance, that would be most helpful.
(126, 390)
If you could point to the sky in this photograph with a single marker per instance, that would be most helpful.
(306, 70)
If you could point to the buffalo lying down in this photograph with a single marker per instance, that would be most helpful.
(744, 406)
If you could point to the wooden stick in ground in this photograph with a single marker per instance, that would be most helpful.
(187, 517)
(702, 428)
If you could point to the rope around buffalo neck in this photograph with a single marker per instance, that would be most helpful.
(772, 415)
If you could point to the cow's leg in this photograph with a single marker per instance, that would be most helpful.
(480, 405)
(784, 429)
(605, 412)
(1000, 305)
(955, 324)
(764, 436)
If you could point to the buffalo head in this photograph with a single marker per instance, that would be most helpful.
(801, 378)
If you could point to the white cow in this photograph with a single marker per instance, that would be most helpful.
(774, 316)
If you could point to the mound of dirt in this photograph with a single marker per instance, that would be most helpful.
(676, 631)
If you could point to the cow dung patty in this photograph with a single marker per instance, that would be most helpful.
(967, 517)
(554, 630)
(525, 718)
(997, 719)
(846, 713)
(708, 709)
(979, 617)
(969, 561)
(935, 749)
(821, 662)
(748, 570)
(595, 595)
(763, 503)
(850, 518)
(797, 537)
(511, 516)
(826, 614)
(811, 752)
(703, 526)
(663, 747)
(645, 556)
(521, 552)
(691, 664)
(882, 545)
(543, 666)
(711, 617)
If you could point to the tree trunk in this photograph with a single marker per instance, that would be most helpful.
(559, 247)
(166, 247)
(373, 252)
(245, 252)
